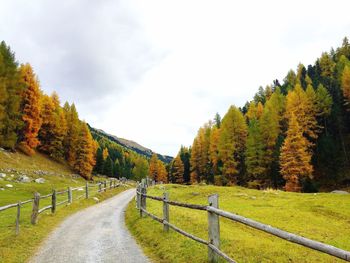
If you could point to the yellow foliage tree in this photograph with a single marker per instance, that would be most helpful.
(213, 149)
(233, 135)
(295, 157)
(178, 170)
(85, 152)
(302, 105)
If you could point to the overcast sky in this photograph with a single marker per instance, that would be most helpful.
(153, 71)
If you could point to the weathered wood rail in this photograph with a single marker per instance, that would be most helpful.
(214, 213)
(36, 210)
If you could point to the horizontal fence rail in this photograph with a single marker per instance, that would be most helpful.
(213, 228)
(85, 192)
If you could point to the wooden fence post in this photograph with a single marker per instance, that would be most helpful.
(138, 189)
(53, 202)
(105, 185)
(18, 217)
(87, 190)
(165, 211)
(143, 201)
(35, 211)
(213, 229)
(110, 184)
(141, 197)
(70, 196)
(99, 187)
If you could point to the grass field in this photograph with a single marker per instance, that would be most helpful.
(322, 217)
(57, 176)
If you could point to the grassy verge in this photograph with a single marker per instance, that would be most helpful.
(323, 217)
(20, 248)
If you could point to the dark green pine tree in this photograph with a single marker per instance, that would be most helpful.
(185, 156)
(117, 170)
(99, 162)
(108, 167)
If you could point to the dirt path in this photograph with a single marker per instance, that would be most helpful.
(95, 234)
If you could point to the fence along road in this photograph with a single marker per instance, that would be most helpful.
(214, 214)
(36, 210)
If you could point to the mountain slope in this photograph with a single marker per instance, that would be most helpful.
(134, 146)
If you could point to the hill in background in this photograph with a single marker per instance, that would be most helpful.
(131, 145)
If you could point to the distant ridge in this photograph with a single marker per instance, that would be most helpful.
(134, 146)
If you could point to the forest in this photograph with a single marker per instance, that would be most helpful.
(293, 135)
(31, 121)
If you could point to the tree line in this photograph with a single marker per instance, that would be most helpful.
(31, 121)
(114, 160)
(294, 135)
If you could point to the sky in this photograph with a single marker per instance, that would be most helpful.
(154, 71)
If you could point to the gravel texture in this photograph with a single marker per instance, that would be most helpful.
(95, 234)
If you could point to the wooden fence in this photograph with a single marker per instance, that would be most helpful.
(36, 210)
(214, 214)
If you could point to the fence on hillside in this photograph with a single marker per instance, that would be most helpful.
(214, 214)
(86, 192)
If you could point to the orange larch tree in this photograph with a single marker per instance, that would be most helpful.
(30, 109)
(153, 167)
(162, 172)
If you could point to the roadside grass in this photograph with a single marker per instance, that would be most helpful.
(323, 217)
(57, 176)
(20, 248)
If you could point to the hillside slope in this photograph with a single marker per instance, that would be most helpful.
(18, 173)
(131, 145)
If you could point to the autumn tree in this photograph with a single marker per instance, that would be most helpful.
(255, 110)
(153, 167)
(233, 134)
(10, 98)
(271, 131)
(302, 105)
(214, 149)
(177, 170)
(46, 132)
(295, 157)
(54, 127)
(85, 152)
(255, 150)
(73, 128)
(195, 161)
(140, 169)
(162, 172)
(30, 109)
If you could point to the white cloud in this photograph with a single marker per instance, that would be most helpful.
(165, 67)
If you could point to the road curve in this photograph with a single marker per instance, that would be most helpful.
(95, 234)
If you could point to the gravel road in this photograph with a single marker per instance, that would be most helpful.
(95, 234)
